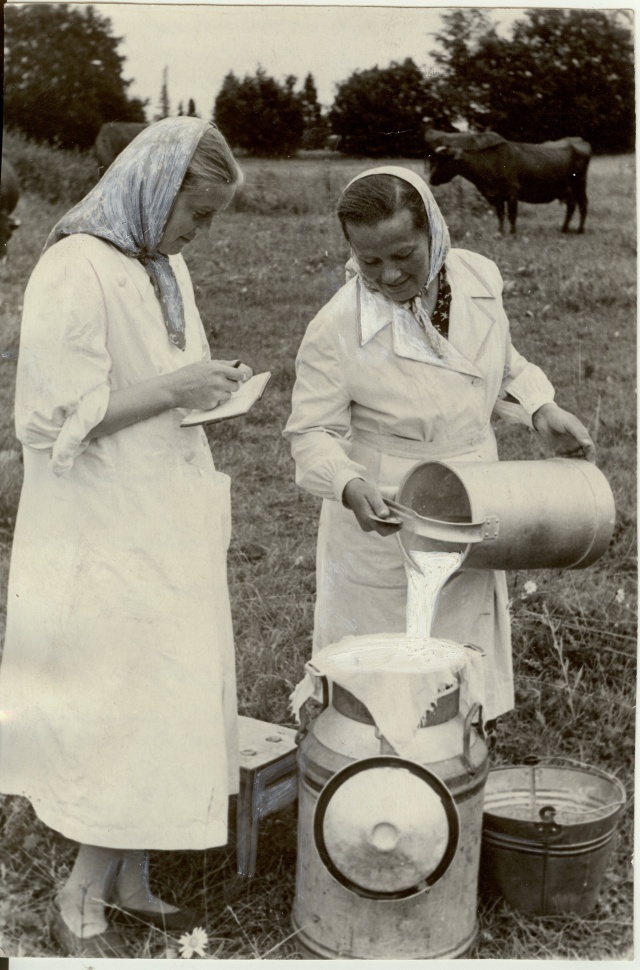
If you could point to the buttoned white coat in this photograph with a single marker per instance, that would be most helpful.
(371, 400)
(117, 685)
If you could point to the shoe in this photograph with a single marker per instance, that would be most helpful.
(183, 919)
(107, 944)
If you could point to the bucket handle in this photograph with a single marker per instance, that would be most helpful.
(465, 532)
(534, 761)
(547, 828)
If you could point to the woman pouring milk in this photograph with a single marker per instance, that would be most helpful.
(408, 362)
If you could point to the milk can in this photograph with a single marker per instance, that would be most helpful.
(389, 846)
(557, 513)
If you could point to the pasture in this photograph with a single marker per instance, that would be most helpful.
(267, 267)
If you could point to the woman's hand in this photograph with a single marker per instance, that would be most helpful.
(365, 501)
(206, 383)
(563, 433)
(201, 385)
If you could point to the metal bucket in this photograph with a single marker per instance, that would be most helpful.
(548, 833)
(558, 513)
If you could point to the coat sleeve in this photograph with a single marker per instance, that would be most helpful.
(320, 422)
(63, 383)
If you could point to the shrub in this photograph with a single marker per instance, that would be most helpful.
(54, 174)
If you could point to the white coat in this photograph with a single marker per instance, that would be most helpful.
(117, 686)
(370, 401)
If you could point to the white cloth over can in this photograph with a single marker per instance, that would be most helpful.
(117, 686)
(370, 401)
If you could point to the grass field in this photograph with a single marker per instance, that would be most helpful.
(269, 265)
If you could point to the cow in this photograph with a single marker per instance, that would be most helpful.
(9, 195)
(505, 171)
(112, 138)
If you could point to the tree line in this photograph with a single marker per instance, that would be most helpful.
(560, 72)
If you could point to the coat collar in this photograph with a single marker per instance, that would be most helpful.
(469, 321)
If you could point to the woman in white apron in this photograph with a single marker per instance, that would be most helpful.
(408, 362)
(117, 687)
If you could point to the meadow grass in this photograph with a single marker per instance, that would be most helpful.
(268, 266)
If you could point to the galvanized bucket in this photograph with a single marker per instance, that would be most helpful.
(558, 513)
(548, 833)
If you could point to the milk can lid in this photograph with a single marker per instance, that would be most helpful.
(386, 827)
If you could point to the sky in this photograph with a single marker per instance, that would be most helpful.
(200, 43)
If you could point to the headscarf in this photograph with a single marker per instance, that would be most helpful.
(130, 206)
(439, 244)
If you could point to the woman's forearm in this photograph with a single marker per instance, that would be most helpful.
(200, 385)
(128, 405)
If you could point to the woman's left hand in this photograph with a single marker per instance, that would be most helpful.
(563, 433)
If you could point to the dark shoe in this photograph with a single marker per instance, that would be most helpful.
(107, 944)
(184, 919)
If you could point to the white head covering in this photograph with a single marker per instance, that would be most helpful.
(130, 206)
(439, 242)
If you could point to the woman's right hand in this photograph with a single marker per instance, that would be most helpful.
(205, 384)
(365, 501)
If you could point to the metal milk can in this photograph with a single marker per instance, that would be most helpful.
(389, 847)
(556, 513)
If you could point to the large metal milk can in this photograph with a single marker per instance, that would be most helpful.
(556, 513)
(389, 846)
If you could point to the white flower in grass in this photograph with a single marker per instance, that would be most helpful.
(619, 597)
(530, 587)
(193, 942)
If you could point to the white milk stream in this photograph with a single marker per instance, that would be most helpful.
(427, 572)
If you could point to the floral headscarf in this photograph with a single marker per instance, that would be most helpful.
(439, 244)
(130, 206)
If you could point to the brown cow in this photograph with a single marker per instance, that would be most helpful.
(506, 171)
(112, 138)
(9, 195)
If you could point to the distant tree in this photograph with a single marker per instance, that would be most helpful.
(316, 126)
(191, 110)
(562, 72)
(260, 115)
(380, 111)
(63, 74)
(458, 82)
(164, 107)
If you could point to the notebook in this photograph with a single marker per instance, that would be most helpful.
(239, 403)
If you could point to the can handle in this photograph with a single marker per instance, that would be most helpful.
(466, 736)
(322, 678)
(458, 532)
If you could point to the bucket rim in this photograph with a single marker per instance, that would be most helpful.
(610, 808)
(563, 761)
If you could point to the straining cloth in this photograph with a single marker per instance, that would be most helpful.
(397, 678)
